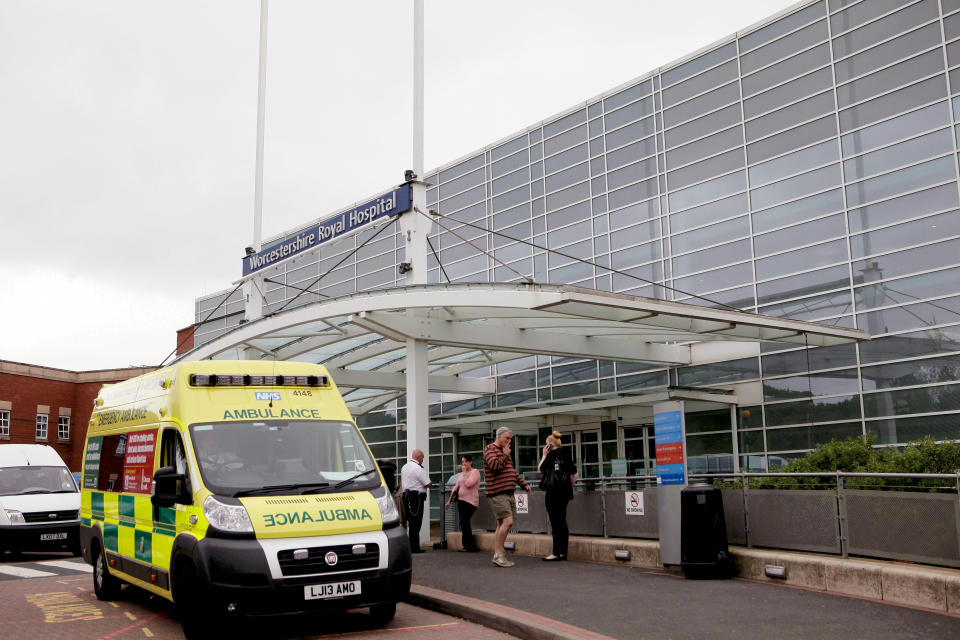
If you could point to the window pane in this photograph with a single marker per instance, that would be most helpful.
(795, 89)
(697, 106)
(911, 373)
(801, 136)
(798, 210)
(704, 169)
(919, 203)
(810, 437)
(926, 285)
(565, 140)
(908, 316)
(888, 52)
(794, 187)
(893, 24)
(698, 84)
(881, 81)
(923, 230)
(732, 137)
(702, 126)
(634, 111)
(903, 180)
(816, 384)
(923, 400)
(803, 360)
(803, 284)
(782, 26)
(631, 153)
(814, 410)
(908, 345)
(794, 163)
(724, 254)
(893, 103)
(800, 39)
(829, 227)
(713, 280)
(815, 256)
(564, 123)
(931, 117)
(713, 234)
(627, 95)
(698, 64)
(812, 308)
(710, 212)
(707, 191)
(793, 66)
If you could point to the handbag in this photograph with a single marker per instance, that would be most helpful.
(554, 477)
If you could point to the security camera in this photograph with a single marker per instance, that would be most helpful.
(409, 175)
(250, 250)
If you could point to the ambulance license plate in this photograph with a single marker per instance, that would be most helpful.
(53, 536)
(331, 590)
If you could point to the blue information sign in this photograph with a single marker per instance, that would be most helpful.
(668, 441)
(389, 204)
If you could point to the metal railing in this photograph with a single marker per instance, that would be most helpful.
(900, 516)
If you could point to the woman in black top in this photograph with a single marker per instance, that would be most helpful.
(556, 461)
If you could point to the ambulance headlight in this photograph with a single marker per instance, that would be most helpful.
(227, 517)
(15, 516)
(388, 509)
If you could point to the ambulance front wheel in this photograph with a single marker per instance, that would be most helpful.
(383, 613)
(104, 585)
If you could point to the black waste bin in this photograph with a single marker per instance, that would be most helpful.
(703, 533)
(389, 470)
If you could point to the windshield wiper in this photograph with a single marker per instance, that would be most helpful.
(339, 485)
(34, 491)
(279, 487)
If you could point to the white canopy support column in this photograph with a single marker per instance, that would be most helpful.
(418, 416)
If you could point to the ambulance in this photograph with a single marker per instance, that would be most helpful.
(238, 488)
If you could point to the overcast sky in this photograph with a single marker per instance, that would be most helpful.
(128, 133)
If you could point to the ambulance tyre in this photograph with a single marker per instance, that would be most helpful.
(104, 585)
(197, 622)
(383, 613)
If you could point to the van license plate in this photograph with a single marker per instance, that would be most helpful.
(331, 590)
(53, 536)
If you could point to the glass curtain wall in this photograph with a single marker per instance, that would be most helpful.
(805, 168)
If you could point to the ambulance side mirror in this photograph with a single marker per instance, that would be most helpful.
(169, 488)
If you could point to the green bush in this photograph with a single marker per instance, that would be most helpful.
(860, 455)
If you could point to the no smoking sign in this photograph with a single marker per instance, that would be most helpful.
(633, 502)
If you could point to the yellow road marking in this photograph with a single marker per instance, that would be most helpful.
(147, 632)
(130, 615)
(114, 604)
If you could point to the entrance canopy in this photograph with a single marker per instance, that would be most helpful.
(362, 338)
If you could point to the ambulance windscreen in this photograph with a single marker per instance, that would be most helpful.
(244, 457)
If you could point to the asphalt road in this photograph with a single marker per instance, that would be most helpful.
(51, 596)
(632, 603)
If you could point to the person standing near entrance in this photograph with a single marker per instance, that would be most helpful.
(467, 491)
(501, 477)
(414, 482)
(558, 473)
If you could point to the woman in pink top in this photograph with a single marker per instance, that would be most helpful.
(467, 492)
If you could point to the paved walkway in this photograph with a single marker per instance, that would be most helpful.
(626, 602)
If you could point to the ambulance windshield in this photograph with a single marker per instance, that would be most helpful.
(250, 457)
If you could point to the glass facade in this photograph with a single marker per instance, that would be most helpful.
(804, 168)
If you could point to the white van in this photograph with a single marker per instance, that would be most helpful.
(39, 500)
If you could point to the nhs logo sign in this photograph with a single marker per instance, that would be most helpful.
(267, 395)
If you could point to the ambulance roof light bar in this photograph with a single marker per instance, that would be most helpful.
(245, 380)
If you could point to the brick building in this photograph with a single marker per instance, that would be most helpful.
(52, 406)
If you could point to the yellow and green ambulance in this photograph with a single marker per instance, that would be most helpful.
(238, 488)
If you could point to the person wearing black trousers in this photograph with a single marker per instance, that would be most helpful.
(556, 462)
